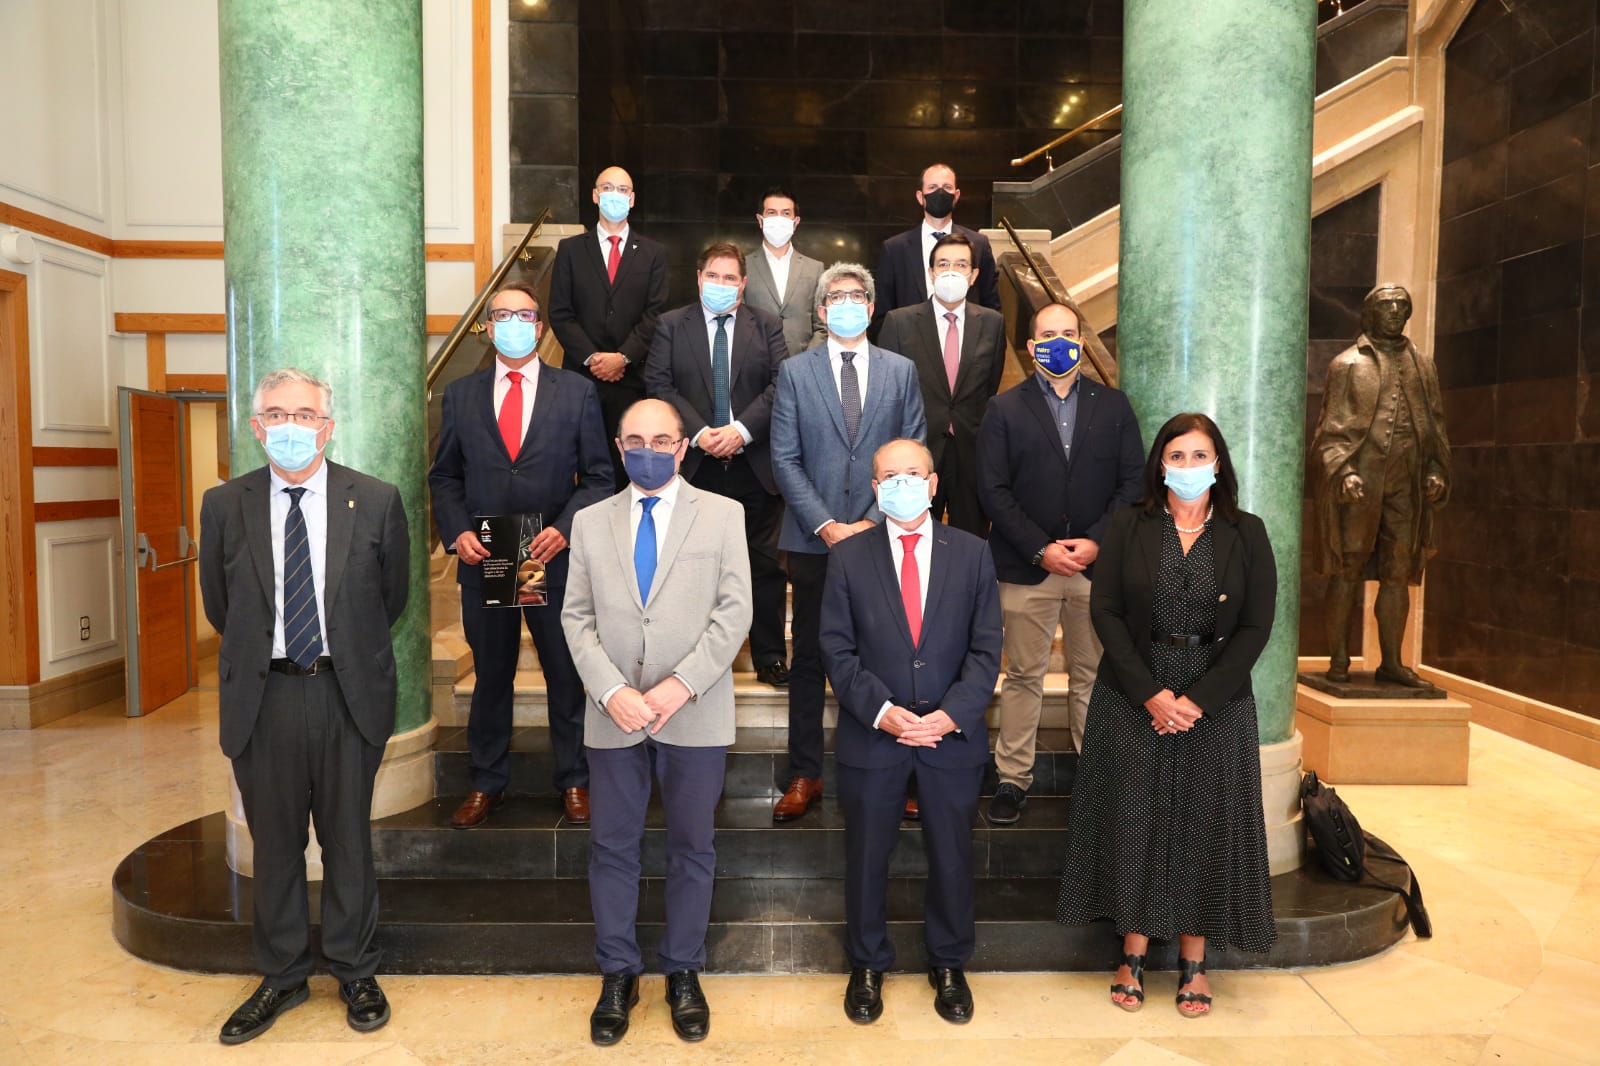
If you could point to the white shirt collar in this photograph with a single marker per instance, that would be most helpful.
(924, 529)
(928, 231)
(859, 346)
(605, 238)
(711, 316)
(668, 494)
(316, 484)
(940, 310)
(528, 371)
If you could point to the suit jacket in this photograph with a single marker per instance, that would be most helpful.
(1120, 605)
(590, 313)
(693, 624)
(564, 464)
(867, 649)
(365, 581)
(1029, 490)
(819, 473)
(917, 332)
(796, 305)
(679, 372)
(902, 273)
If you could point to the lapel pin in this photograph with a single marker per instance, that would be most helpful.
(1222, 597)
(352, 504)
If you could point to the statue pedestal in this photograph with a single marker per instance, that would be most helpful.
(1370, 741)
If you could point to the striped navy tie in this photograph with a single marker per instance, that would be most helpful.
(302, 631)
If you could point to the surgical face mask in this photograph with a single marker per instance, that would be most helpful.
(848, 319)
(904, 497)
(1190, 482)
(515, 339)
(614, 206)
(939, 203)
(649, 469)
(777, 230)
(718, 297)
(1057, 356)
(950, 287)
(291, 446)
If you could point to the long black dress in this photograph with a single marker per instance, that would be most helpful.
(1167, 835)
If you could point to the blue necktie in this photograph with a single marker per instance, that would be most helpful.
(720, 413)
(644, 549)
(302, 632)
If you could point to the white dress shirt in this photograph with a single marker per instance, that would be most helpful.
(836, 361)
(314, 505)
(530, 387)
(661, 514)
(711, 346)
(605, 241)
(779, 265)
(928, 241)
(924, 556)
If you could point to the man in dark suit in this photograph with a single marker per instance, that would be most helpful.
(911, 637)
(1057, 455)
(716, 362)
(607, 288)
(960, 351)
(518, 438)
(903, 264)
(304, 566)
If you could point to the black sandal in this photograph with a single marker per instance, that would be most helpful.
(1188, 970)
(1135, 965)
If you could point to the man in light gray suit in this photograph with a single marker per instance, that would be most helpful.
(782, 280)
(658, 604)
(834, 406)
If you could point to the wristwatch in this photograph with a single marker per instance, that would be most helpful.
(1038, 556)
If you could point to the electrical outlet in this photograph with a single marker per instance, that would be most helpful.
(83, 627)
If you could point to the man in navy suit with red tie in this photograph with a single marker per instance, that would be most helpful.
(911, 638)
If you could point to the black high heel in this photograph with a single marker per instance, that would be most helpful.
(1188, 970)
(1135, 965)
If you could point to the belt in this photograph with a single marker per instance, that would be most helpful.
(324, 665)
(1180, 640)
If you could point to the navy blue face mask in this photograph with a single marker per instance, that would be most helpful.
(648, 468)
(1057, 356)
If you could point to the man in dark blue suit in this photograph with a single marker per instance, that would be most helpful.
(911, 637)
(518, 438)
(903, 279)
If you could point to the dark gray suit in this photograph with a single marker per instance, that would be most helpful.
(308, 747)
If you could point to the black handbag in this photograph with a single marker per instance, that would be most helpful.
(1344, 846)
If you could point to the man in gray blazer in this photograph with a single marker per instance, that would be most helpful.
(834, 406)
(781, 279)
(658, 604)
(304, 566)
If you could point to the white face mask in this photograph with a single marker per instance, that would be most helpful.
(777, 230)
(950, 287)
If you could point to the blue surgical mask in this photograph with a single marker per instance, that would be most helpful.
(847, 319)
(614, 206)
(904, 497)
(1190, 482)
(718, 297)
(291, 446)
(1057, 356)
(649, 469)
(516, 338)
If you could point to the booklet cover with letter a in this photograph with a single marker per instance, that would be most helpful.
(510, 577)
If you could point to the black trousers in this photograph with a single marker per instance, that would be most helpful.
(957, 502)
(763, 512)
(495, 636)
(306, 761)
(807, 573)
(615, 398)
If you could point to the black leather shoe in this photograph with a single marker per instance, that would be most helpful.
(691, 1014)
(951, 996)
(608, 1023)
(367, 1006)
(1006, 806)
(863, 996)
(256, 1014)
(774, 674)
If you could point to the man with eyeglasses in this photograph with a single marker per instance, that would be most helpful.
(834, 406)
(304, 566)
(903, 279)
(519, 437)
(607, 289)
(960, 351)
(658, 603)
(783, 280)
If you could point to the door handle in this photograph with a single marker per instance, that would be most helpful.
(147, 554)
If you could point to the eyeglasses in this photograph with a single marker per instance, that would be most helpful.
(964, 266)
(855, 296)
(275, 417)
(655, 444)
(626, 190)
(505, 314)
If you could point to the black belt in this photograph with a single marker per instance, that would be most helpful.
(1180, 640)
(323, 665)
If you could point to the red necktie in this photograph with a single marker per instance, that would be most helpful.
(614, 258)
(511, 415)
(911, 585)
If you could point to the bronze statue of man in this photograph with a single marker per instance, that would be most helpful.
(1382, 467)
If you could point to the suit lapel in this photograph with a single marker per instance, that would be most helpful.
(1088, 399)
(700, 349)
(591, 243)
(761, 273)
(341, 524)
(484, 402)
(883, 560)
(872, 402)
(1224, 538)
(622, 539)
(630, 249)
(1149, 537)
(970, 342)
(937, 577)
(795, 270)
(822, 375)
(255, 512)
(933, 344)
(743, 353)
(683, 511)
(1035, 402)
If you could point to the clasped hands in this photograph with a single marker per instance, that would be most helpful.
(924, 731)
(720, 442)
(835, 531)
(1172, 714)
(608, 366)
(1070, 556)
(633, 710)
(546, 546)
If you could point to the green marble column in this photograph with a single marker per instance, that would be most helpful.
(1216, 225)
(322, 213)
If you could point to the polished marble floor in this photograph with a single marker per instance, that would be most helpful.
(1510, 863)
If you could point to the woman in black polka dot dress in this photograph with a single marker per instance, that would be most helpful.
(1167, 838)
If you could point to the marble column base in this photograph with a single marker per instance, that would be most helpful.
(405, 780)
(1280, 805)
(1384, 742)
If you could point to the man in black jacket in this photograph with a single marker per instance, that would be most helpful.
(902, 272)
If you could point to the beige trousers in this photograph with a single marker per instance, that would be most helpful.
(1032, 613)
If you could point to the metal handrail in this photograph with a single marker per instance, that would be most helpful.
(1049, 289)
(1044, 150)
(469, 322)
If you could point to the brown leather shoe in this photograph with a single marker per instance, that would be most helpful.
(475, 808)
(797, 798)
(576, 801)
(913, 812)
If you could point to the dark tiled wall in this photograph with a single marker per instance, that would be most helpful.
(1513, 598)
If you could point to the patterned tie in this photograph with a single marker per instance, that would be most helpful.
(644, 549)
(302, 633)
(952, 359)
(614, 258)
(721, 414)
(511, 414)
(850, 396)
(911, 585)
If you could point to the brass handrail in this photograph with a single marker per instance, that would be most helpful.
(1044, 150)
(1049, 289)
(468, 322)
